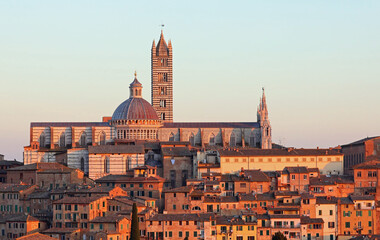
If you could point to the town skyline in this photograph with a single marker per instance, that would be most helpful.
(317, 96)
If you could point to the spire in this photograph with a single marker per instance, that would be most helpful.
(154, 44)
(162, 47)
(263, 100)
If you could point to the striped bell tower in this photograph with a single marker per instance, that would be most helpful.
(162, 79)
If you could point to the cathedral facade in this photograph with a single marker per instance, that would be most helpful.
(135, 122)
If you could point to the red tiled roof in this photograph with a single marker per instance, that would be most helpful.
(36, 236)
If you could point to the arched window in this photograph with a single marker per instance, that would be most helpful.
(191, 139)
(102, 138)
(82, 140)
(106, 165)
(82, 164)
(196, 208)
(212, 139)
(42, 140)
(232, 140)
(171, 137)
(267, 131)
(62, 140)
(252, 139)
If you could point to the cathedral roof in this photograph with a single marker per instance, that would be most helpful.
(135, 109)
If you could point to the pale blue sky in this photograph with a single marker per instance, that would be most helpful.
(73, 61)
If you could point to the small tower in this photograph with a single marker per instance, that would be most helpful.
(263, 120)
(135, 88)
(162, 79)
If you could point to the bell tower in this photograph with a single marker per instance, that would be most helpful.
(162, 79)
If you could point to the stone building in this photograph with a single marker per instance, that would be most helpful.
(357, 152)
(136, 121)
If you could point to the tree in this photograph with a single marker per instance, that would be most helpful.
(135, 231)
(278, 236)
(186, 238)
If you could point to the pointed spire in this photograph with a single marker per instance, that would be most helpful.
(154, 44)
(263, 100)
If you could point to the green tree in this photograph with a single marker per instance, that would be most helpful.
(278, 236)
(135, 231)
(186, 238)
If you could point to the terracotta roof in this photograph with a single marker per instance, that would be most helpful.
(10, 163)
(19, 217)
(43, 167)
(116, 149)
(220, 199)
(109, 219)
(274, 216)
(308, 220)
(327, 200)
(77, 200)
(231, 220)
(36, 236)
(60, 230)
(278, 152)
(39, 194)
(9, 187)
(128, 179)
(184, 189)
(323, 180)
(361, 141)
(200, 217)
(256, 176)
(295, 170)
(176, 152)
(211, 125)
(362, 197)
(374, 164)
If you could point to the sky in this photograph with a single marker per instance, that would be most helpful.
(73, 61)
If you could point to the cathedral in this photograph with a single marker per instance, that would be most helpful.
(121, 141)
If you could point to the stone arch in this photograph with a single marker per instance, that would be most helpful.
(62, 140)
(42, 140)
(233, 139)
(212, 139)
(102, 138)
(252, 139)
(192, 139)
(82, 139)
(171, 137)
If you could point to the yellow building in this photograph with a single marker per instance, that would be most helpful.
(357, 215)
(236, 228)
(329, 161)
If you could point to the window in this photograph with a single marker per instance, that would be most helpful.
(359, 174)
(305, 177)
(347, 224)
(174, 207)
(331, 224)
(293, 177)
(180, 234)
(320, 212)
(331, 212)
(107, 165)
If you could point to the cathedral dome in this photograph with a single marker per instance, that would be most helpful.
(135, 109)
